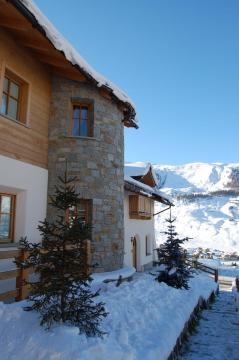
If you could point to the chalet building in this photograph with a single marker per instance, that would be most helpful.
(53, 107)
(140, 195)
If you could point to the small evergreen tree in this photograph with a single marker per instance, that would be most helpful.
(172, 255)
(61, 292)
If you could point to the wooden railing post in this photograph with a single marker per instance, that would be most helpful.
(24, 273)
(194, 264)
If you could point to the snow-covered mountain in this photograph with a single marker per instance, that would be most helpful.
(206, 198)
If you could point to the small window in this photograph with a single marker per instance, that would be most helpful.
(82, 211)
(10, 98)
(14, 97)
(82, 124)
(7, 214)
(147, 245)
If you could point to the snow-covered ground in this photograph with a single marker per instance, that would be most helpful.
(206, 198)
(145, 319)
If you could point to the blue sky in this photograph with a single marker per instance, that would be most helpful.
(179, 62)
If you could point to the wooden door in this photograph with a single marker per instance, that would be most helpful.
(134, 252)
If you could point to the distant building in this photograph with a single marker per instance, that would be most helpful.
(140, 195)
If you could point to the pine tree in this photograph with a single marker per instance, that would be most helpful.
(174, 258)
(61, 292)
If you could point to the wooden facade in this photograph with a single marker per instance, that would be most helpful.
(26, 140)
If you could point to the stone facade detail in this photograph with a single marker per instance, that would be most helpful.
(98, 163)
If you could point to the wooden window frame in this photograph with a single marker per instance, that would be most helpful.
(9, 96)
(88, 205)
(90, 120)
(23, 99)
(140, 207)
(12, 218)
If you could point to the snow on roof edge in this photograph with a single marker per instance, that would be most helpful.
(146, 167)
(61, 44)
(147, 188)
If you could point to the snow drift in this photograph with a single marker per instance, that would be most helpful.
(145, 319)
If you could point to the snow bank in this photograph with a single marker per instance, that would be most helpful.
(61, 44)
(145, 319)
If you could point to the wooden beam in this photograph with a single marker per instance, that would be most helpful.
(54, 61)
(10, 274)
(69, 73)
(14, 23)
(23, 276)
(105, 92)
(35, 44)
(9, 295)
(121, 106)
(8, 254)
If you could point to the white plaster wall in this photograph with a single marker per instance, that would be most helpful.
(140, 229)
(29, 183)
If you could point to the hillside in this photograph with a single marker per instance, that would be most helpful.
(206, 198)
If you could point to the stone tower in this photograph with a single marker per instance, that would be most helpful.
(96, 159)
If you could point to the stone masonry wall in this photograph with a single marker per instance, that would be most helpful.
(98, 163)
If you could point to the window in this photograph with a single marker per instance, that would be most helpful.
(14, 97)
(82, 211)
(140, 207)
(147, 245)
(82, 124)
(7, 214)
(10, 98)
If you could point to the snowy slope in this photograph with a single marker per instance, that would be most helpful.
(206, 198)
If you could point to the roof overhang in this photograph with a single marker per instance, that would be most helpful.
(132, 187)
(30, 30)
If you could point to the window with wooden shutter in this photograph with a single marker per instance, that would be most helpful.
(140, 207)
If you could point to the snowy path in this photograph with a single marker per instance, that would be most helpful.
(217, 336)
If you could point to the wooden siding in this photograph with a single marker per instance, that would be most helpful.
(29, 142)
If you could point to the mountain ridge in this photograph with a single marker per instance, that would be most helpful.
(206, 199)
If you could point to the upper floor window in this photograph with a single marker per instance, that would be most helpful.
(82, 123)
(10, 98)
(140, 207)
(14, 97)
(7, 211)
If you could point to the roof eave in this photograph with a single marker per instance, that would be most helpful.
(129, 120)
(154, 196)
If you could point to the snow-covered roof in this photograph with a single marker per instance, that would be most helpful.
(140, 169)
(61, 44)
